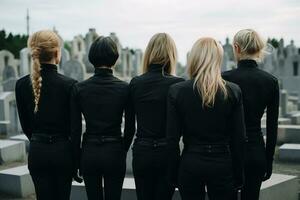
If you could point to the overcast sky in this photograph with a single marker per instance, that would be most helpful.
(135, 21)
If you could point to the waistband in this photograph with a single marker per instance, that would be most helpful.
(101, 139)
(151, 142)
(254, 137)
(207, 148)
(43, 138)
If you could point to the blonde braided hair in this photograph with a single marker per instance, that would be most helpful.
(43, 44)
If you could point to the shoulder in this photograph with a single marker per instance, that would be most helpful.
(268, 76)
(175, 79)
(234, 90)
(177, 87)
(227, 74)
(66, 80)
(25, 80)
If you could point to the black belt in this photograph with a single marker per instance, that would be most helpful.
(207, 148)
(102, 139)
(49, 138)
(151, 142)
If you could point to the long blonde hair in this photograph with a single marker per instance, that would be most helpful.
(43, 45)
(204, 66)
(251, 44)
(161, 49)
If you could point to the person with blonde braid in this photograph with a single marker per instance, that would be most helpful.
(43, 102)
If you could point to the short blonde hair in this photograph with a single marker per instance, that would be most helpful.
(250, 43)
(161, 49)
(43, 45)
(204, 66)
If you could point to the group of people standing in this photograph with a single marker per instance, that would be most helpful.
(217, 116)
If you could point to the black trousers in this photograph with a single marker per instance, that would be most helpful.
(212, 171)
(150, 172)
(50, 166)
(103, 163)
(255, 168)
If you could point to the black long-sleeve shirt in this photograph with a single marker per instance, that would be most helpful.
(260, 91)
(53, 116)
(149, 96)
(102, 99)
(221, 124)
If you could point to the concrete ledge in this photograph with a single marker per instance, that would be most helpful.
(289, 152)
(23, 138)
(279, 187)
(16, 182)
(12, 151)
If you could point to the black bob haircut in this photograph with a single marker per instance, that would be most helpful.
(103, 52)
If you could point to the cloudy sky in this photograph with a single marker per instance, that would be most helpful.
(135, 21)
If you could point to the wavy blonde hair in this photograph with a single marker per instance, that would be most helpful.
(204, 66)
(251, 44)
(161, 49)
(43, 45)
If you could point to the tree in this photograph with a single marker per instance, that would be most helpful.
(12, 43)
(274, 42)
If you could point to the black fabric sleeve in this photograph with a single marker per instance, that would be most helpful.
(129, 129)
(238, 139)
(272, 123)
(173, 134)
(22, 112)
(76, 126)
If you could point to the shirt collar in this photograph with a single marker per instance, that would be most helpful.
(48, 67)
(100, 71)
(247, 63)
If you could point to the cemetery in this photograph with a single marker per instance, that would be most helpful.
(15, 180)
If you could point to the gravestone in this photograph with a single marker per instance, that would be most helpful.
(286, 133)
(25, 62)
(295, 118)
(16, 182)
(65, 56)
(88, 66)
(11, 151)
(21, 137)
(289, 152)
(283, 102)
(8, 65)
(74, 69)
(9, 121)
(78, 49)
(9, 78)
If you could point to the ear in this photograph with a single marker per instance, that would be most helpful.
(237, 48)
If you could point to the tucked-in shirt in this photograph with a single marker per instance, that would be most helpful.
(260, 91)
(102, 99)
(220, 124)
(53, 115)
(149, 96)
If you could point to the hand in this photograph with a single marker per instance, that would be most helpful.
(268, 171)
(77, 177)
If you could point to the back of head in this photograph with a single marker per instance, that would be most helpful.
(103, 52)
(161, 50)
(44, 46)
(204, 66)
(248, 44)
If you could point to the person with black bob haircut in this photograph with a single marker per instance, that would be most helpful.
(102, 99)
